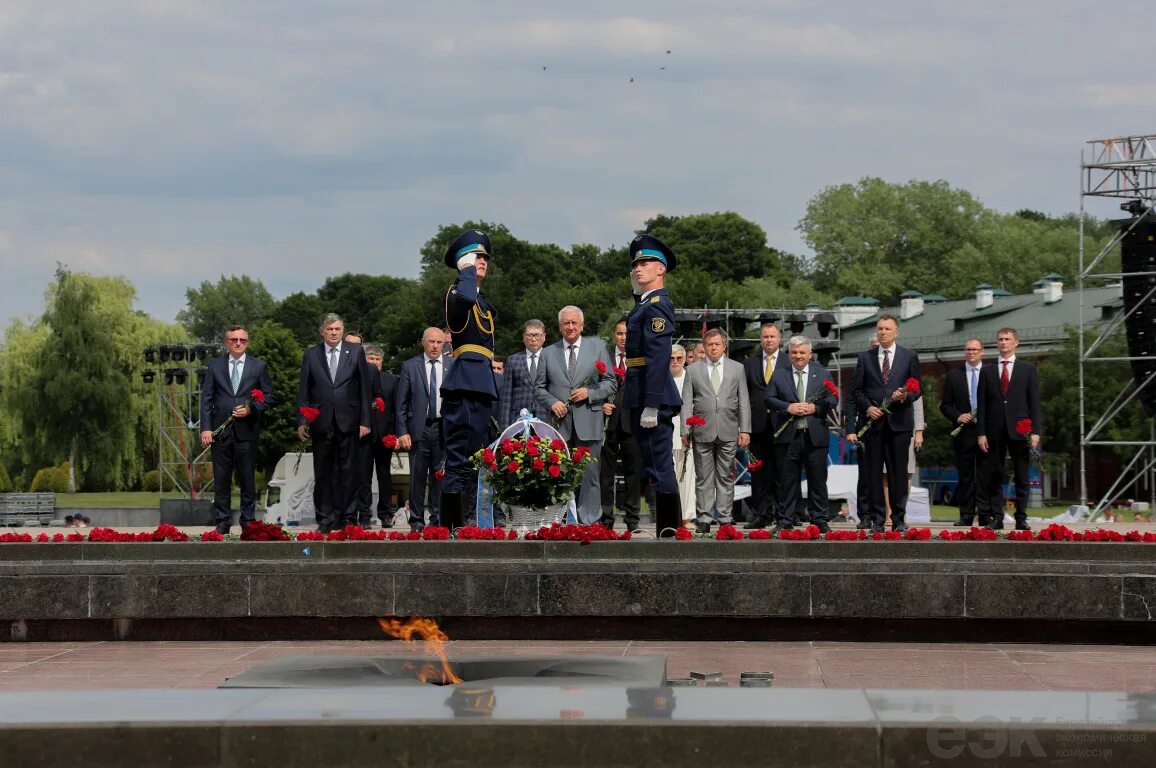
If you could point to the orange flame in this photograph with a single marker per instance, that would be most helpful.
(434, 640)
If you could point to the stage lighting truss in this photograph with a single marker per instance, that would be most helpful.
(1122, 168)
(185, 467)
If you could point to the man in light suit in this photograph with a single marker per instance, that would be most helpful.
(571, 388)
(881, 374)
(224, 395)
(758, 369)
(802, 445)
(519, 384)
(1009, 392)
(335, 380)
(419, 426)
(716, 390)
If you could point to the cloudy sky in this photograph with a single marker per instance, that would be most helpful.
(173, 141)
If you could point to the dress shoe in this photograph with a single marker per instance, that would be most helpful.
(962, 524)
(703, 528)
(875, 530)
(995, 525)
(755, 523)
(901, 528)
(630, 528)
(864, 524)
(780, 527)
(1022, 526)
(223, 529)
(823, 527)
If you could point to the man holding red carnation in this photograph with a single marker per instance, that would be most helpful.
(236, 391)
(1009, 423)
(885, 384)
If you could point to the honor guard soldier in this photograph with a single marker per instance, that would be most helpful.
(651, 396)
(469, 390)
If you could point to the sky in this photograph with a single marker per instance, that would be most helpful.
(173, 141)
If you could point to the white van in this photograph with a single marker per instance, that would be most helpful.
(289, 497)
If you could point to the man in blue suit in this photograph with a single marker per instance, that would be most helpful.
(653, 399)
(469, 389)
(419, 426)
(519, 379)
(881, 374)
(802, 445)
(224, 395)
(335, 380)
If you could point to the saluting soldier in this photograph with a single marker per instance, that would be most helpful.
(469, 390)
(651, 396)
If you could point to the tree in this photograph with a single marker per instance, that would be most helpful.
(278, 347)
(301, 313)
(80, 396)
(362, 300)
(233, 300)
(725, 246)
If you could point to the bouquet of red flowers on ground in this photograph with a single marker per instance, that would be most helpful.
(911, 387)
(261, 531)
(533, 471)
(310, 415)
(829, 388)
(255, 396)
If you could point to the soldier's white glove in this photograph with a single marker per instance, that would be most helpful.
(634, 284)
(469, 260)
(649, 418)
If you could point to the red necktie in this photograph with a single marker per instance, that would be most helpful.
(1004, 379)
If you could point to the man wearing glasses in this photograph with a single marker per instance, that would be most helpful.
(231, 423)
(517, 391)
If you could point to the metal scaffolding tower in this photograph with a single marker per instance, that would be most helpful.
(1123, 168)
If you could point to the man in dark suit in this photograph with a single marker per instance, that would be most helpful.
(520, 375)
(958, 404)
(653, 399)
(226, 397)
(377, 455)
(852, 421)
(619, 450)
(419, 426)
(758, 370)
(1009, 393)
(802, 445)
(881, 375)
(469, 388)
(335, 380)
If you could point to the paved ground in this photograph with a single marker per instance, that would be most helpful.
(134, 665)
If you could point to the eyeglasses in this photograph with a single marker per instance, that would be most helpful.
(237, 341)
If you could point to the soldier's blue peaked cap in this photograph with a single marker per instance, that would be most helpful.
(649, 247)
(470, 241)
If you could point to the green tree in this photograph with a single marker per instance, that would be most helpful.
(725, 246)
(233, 300)
(278, 347)
(80, 395)
(363, 301)
(301, 313)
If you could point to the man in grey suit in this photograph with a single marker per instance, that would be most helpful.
(572, 388)
(520, 379)
(716, 390)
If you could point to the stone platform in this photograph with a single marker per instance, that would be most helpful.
(638, 589)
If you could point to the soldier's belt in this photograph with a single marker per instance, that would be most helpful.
(486, 353)
(636, 362)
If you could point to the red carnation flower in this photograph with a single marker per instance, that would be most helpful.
(513, 466)
(555, 458)
(310, 414)
(555, 470)
(580, 453)
(379, 405)
(488, 456)
(557, 445)
(830, 385)
(696, 421)
(1024, 427)
(755, 465)
(912, 386)
(539, 465)
(620, 373)
(439, 474)
(600, 366)
(257, 396)
(389, 441)
(532, 450)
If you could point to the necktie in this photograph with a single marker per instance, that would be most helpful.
(236, 375)
(333, 363)
(432, 413)
(715, 379)
(973, 390)
(801, 393)
(621, 361)
(534, 366)
(1004, 379)
(768, 369)
(572, 364)
(886, 366)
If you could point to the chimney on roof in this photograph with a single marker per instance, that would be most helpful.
(910, 305)
(851, 309)
(984, 297)
(1053, 288)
